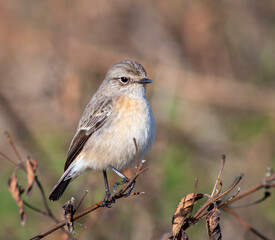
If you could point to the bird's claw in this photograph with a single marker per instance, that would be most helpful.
(131, 188)
(119, 183)
(107, 203)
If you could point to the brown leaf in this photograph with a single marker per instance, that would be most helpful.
(31, 169)
(213, 224)
(16, 192)
(182, 212)
(68, 211)
(181, 236)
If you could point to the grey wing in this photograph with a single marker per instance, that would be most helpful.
(92, 119)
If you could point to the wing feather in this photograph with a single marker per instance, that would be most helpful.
(92, 119)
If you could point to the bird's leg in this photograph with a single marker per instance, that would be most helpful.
(105, 202)
(125, 180)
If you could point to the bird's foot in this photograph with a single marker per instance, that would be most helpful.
(119, 183)
(106, 202)
(131, 188)
(123, 182)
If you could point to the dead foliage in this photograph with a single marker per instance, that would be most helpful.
(68, 211)
(183, 217)
(182, 212)
(31, 166)
(217, 201)
(16, 193)
(70, 214)
(123, 193)
(213, 224)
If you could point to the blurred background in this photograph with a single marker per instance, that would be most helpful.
(213, 66)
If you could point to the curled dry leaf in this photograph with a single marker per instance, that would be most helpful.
(184, 235)
(181, 236)
(68, 211)
(182, 212)
(16, 192)
(213, 224)
(31, 169)
(269, 179)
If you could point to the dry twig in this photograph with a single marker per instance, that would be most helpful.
(183, 219)
(29, 167)
(122, 193)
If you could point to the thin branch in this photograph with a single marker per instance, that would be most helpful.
(266, 195)
(228, 201)
(81, 225)
(21, 165)
(35, 208)
(237, 180)
(247, 192)
(40, 187)
(84, 195)
(136, 193)
(267, 182)
(219, 176)
(7, 135)
(8, 159)
(200, 213)
(45, 202)
(92, 219)
(244, 223)
(122, 193)
(193, 199)
(137, 156)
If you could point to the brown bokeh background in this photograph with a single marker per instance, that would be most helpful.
(213, 66)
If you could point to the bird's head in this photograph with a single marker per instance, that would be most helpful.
(126, 78)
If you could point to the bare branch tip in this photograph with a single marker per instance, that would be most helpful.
(6, 133)
(81, 225)
(269, 172)
(241, 175)
(8, 136)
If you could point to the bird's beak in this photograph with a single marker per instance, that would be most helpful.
(145, 81)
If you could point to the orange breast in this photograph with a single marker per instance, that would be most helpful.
(132, 113)
(125, 104)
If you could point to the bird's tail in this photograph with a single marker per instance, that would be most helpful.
(61, 185)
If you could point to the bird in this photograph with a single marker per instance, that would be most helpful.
(116, 114)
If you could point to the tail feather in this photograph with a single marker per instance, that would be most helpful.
(58, 190)
(61, 185)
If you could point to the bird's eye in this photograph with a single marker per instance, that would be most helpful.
(124, 80)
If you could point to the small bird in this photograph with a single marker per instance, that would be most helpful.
(117, 113)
